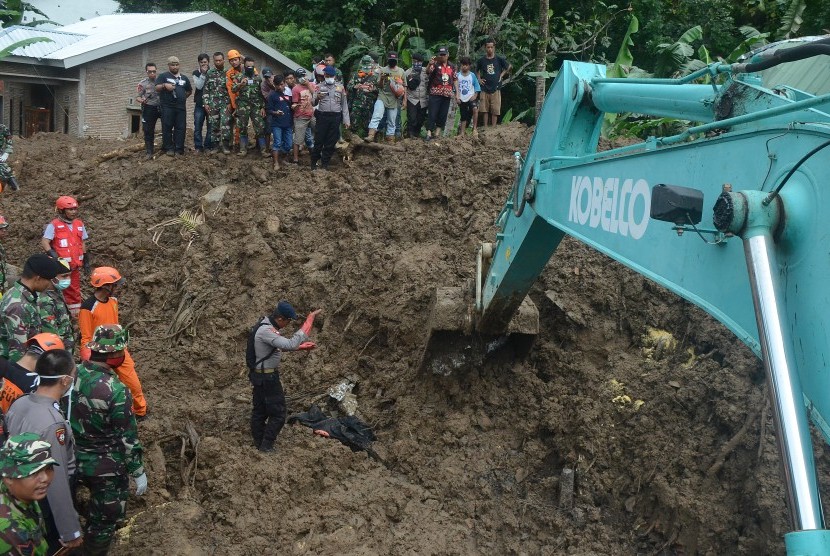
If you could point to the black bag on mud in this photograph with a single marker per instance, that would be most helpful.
(250, 351)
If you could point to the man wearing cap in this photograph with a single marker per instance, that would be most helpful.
(302, 98)
(332, 110)
(199, 115)
(441, 89)
(390, 90)
(20, 377)
(107, 449)
(250, 106)
(55, 316)
(217, 103)
(268, 414)
(19, 314)
(363, 93)
(26, 465)
(148, 98)
(266, 88)
(235, 58)
(416, 96)
(174, 89)
(40, 413)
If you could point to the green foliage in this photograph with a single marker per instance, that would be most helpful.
(298, 43)
(625, 60)
(11, 13)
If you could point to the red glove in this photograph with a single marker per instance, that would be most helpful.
(85, 353)
(307, 345)
(309, 321)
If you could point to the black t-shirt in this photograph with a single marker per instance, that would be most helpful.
(176, 98)
(490, 70)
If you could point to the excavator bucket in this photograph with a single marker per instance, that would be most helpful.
(454, 345)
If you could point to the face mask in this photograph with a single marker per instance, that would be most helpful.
(330, 80)
(393, 63)
(417, 66)
(62, 284)
(115, 361)
(249, 72)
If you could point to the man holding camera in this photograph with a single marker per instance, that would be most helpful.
(174, 89)
(302, 99)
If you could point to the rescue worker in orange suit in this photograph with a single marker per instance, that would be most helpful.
(102, 308)
(237, 68)
(65, 238)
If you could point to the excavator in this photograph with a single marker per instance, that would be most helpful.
(730, 214)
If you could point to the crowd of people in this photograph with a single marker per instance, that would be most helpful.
(298, 108)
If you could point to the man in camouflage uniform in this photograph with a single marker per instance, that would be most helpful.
(217, 104)
(107, 449)
(26, 467)
(6, 174)
(4, 225)
(54, 313)
(249, 105)
(19, 313)
(363, 93)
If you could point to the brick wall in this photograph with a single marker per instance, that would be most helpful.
(110, 83)
(19, 80)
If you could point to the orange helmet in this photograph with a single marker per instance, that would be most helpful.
(104, 275)
(66, 202)
(3, 222)
(234, 54)
(46, 341)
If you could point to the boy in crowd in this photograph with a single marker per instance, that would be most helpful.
(278, 108)
(467, 97)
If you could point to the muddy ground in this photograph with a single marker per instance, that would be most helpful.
(465, 464)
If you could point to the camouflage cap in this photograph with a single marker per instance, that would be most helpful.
(109, 338)
(23, 455)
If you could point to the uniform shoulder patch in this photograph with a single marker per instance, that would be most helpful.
(60, 434)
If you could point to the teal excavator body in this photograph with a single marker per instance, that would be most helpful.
(732, 215)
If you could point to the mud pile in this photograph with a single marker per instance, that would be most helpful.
(465, 464)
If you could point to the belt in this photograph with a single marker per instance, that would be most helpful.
(265, 371)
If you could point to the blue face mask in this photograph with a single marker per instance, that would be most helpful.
(62, 284)
(417, 66)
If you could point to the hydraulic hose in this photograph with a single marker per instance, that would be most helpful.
(785, 55)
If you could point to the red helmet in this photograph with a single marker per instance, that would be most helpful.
(46, 341)
(66, 202)
(104, 275)
(3, 222)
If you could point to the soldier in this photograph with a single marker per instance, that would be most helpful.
(102, 308)
(19, 315)
(332, 109)
(26, 465)
(363, 93)
(4, 225)
(39, 413)
(217, 104)
(7, 178)
(107, 448)
(268, 414)
(148, 98)
(54, 313)
(65, 238)
(249, 106)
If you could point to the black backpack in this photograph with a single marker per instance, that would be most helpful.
(250, 351)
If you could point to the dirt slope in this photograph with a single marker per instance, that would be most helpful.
(467, 464)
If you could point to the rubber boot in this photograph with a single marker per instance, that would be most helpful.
(91, 548)
(276, 157)
(371, 137)
(263, 148)
(149, 153)
(389, 138)
(226, 149)
(243, 146)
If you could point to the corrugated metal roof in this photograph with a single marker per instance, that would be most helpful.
(109, 34)
(60, 39)
(810, 75)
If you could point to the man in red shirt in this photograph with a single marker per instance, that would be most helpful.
(65, 238)
(441, 89)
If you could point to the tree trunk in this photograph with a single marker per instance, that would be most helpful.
(541, 54)
(469, 12)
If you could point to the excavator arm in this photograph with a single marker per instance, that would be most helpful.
(729, 214)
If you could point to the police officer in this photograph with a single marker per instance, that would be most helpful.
(19, 315)
(268, 414)
(148, 98)
(26, 465)
(107, 449)
(40, 413)
(332, 109)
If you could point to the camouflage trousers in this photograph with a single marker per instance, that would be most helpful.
(107, 509)
(244, 114)
(221, 126)
(6, 172)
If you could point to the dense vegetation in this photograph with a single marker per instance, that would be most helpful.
(671, 34)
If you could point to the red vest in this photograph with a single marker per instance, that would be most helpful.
(69, 243)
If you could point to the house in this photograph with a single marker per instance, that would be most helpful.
(83, 81)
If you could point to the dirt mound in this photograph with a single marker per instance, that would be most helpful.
(465, 464)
